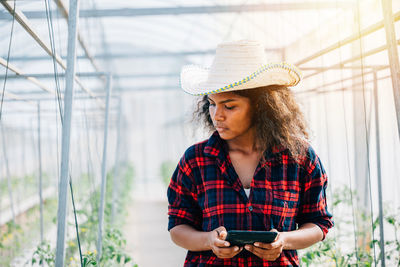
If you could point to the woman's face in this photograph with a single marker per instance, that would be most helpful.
(230, 114)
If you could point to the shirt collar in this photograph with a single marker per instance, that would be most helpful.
(274, 151)
(215, 146)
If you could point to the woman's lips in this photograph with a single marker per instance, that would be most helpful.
(220, 129)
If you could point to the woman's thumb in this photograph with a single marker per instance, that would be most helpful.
(276, 231)
(223, 234)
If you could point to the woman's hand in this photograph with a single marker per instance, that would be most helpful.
(267, 251)
(219, 246)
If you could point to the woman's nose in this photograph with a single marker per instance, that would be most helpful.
(218, 114)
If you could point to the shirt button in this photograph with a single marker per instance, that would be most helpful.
(250, 208)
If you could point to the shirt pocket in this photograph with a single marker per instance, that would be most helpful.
(284, 210)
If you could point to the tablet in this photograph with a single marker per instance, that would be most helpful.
(241, 238)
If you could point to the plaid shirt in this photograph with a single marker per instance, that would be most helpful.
(205, 192)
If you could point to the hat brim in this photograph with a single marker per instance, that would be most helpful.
(194, 79)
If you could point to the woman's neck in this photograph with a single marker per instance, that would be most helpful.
(244, 143)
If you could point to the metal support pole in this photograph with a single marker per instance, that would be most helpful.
(10, 195)
(116, 179)
(66, 132)
(103, 173)
(379, 172)
(20, 72)
(25, 23)
(393, 55)
(50, 75)
(40, 173)
(327, 134)
(23, 169)
(23, 166)
(89, 158)
(165, 11)
(64, 12)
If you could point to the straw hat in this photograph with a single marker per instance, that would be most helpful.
(237, 65)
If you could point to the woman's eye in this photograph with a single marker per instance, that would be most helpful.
(230, 107)
(211, 104)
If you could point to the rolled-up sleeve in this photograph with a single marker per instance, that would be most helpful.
(313, 206)
(182, 197)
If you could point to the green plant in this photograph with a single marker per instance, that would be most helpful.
(43, 254)
(9, 235)
(16, 236)
(27, 182)
(89, 259)
(24, 232)
(113, 243)
(353, 248)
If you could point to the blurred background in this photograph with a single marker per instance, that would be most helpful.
(91, 132)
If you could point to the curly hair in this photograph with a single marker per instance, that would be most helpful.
(276, 116)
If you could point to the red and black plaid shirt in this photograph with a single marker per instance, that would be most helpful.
(205, 192)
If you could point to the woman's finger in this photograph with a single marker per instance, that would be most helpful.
(235, 252)
(273, 245)
(221, 243)
(264, 245)
(226, 252)
(270, 257)
(271, 254)
(266, 251)
(223, 234)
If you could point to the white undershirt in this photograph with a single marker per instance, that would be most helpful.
(247, 191)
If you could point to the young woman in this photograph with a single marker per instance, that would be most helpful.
(256, 172)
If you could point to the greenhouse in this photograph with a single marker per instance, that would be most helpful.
(103, 106)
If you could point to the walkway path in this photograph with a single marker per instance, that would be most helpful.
(146, 232)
